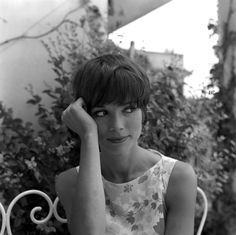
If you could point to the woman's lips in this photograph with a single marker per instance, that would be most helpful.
(118, 140)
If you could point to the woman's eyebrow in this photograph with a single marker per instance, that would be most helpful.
(123, 104)
(99, 106)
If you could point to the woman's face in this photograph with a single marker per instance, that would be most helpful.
(119, 127)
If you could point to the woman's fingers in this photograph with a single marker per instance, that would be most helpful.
(77, 119)
(78, 104)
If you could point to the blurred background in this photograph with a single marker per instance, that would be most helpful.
(187, 48)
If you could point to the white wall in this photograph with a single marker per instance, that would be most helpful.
(22, 64)
(25, 61)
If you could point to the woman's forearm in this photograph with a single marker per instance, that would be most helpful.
(88, 206)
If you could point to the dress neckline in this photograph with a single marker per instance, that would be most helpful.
(137, 178)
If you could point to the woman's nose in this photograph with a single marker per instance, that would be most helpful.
(116, 123)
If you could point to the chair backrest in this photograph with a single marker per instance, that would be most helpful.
(205, 210)
(53, 211)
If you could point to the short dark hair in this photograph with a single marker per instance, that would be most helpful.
(111, 78)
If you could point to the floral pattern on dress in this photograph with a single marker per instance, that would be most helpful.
(138, 207)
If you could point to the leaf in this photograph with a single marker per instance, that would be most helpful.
(145, 202)
(134, 227)
(36, 99)
(37, 176)
(59, 90)
(57, 71)
(31, 101)
(130, 217)
(49, 93)
(142, 179)
(153, 205)
(155, 196)
(18, 121)
(136, 205)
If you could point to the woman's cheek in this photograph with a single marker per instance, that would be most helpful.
(135, 123)
(101, 128)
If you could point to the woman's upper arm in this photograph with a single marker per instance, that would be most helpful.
(181, 200)
(65, 184)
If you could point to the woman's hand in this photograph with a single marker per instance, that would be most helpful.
(78, 120)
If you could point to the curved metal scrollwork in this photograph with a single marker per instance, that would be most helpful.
(62, 220)
(52, 210)
(33, 211)
(205, 206)
(3, 226)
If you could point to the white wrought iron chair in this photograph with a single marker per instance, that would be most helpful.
(53, 211)
(205, 210)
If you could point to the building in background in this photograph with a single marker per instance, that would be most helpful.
(168, 62)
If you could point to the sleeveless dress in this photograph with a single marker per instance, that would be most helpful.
(138, 206)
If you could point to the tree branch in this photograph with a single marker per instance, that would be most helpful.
(24, 36)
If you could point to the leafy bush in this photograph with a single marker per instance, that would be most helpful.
(186, 129)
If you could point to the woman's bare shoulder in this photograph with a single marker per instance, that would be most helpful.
(181, 199)
(183, 171)
(182, 183)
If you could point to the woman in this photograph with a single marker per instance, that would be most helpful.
(120, 187)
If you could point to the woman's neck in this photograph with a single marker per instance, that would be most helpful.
(125, 167)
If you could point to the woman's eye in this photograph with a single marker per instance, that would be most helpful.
(130, 109)
(99, 113)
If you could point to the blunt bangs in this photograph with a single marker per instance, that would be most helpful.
(121, 87)
(111, 79)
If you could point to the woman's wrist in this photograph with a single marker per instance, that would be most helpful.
(90, 137)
